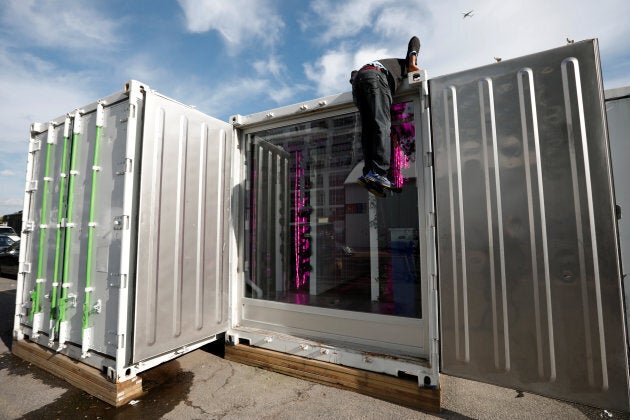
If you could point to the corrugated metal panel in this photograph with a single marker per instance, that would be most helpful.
(528, 260)
(618, 115)
(182, 289)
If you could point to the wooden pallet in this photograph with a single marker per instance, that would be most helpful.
(388, 388)
(84, 377)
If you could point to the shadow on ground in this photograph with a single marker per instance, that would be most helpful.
(165, 387)
(7, 308)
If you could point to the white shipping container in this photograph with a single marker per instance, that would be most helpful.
(123, 230)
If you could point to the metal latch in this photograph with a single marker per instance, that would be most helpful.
(31, 186)
(72, 300)
(121, 222)
(416, 77)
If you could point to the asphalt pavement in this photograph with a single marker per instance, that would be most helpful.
(202, 385)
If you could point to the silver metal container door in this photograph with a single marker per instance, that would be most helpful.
(182, 278)
(38, 238)
(75, 187)
(529, 273)
(618, 115)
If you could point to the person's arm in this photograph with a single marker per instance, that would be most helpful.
(412, 65)
(412, 54)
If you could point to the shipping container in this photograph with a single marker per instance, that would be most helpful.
(124, 220)
(150, 228)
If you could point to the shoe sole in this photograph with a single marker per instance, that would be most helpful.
(380, 184)
(372, 187)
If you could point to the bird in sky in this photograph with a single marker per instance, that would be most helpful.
(467, 14)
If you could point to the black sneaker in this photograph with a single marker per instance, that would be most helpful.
(379, 180)
(372, 187)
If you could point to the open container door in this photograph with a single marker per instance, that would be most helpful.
(183, 223)
(529, 273)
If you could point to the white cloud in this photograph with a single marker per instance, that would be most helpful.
(272, 66)
(331, 73)
(7, 172)
(29, 95)
(73, 24)
(341, 20)
(241, 24)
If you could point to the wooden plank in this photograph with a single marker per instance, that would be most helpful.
(84, 377)
(381, 386)
(329, 372)
(377, 385)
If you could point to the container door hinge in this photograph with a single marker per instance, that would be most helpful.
(116, 340)
(29, 227)
(428, 159)
(25, 267)
(31, 186)
(118, 280)
(121, 222)
(34, 146)
(124, 167)
(435, 348)
(432, 283)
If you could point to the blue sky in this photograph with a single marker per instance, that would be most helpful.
(247, 56)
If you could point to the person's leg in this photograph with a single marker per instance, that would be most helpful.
(365, 92)
(381, 142)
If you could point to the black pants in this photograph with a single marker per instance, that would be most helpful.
(373, 97)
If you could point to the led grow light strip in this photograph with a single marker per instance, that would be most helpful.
(60, 214)
(91, 227)
(63, 301)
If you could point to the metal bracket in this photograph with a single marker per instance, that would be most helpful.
(72, 300)
(34, 146)
(37, 128)
(236, 120)
(29, 226)
(86, 342)
(118, 280)
(121, 222)
(416, 77)
(100, 115)
(431, 219)
(50, 136)
(31, 186)
(25, 267)
(97, 307)
(77, 124)
(124, 167)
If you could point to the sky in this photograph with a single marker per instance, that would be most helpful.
(231, 57)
